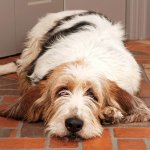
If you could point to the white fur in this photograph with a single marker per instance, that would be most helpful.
(100, 47)
(35, 36)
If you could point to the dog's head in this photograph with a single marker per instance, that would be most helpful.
(76, 99)
(71, 100)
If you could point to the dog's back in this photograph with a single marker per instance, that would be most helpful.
(70, 35)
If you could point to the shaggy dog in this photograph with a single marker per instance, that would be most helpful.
(75, 73)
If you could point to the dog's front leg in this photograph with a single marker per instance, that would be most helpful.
(111, 115)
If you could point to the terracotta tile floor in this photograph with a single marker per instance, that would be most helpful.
(21, 135)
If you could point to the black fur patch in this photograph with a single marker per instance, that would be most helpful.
(51, 38)
(63, 33)
(54, 38)
(68, 18)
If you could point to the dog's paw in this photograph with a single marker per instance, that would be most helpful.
(39, 73)
(34, 78)
(111, 115)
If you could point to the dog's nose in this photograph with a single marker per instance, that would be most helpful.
(73, 124)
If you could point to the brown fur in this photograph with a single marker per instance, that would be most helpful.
(24, 83)
(132, 107)
(37, 101)
(20, 109)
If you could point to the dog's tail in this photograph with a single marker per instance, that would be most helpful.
(8, 68)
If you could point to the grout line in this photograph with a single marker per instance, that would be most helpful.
(113, 139)
(8, 127)
(10, 90)
(19, 129)
(80, 147)
(10, 78)
(127, 138)
(147, 143)
(129, 127)
(8, 84)
(25, 149)
(47, 141)
(62, 149)
(1, 99)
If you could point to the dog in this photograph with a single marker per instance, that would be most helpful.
(75, 73)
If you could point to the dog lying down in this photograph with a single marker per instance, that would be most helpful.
(76, 74)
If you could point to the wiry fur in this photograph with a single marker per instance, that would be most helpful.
(75, 65)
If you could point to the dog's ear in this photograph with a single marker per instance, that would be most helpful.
(25, 108)
(134, 108)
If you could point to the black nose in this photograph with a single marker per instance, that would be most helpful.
(73, 124)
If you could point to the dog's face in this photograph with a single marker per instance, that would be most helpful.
(72, 100)
(75, 104)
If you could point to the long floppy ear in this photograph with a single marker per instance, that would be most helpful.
(25, 107)
(134, 108)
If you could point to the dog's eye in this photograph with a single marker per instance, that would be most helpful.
(91, 94)
(62, 92)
